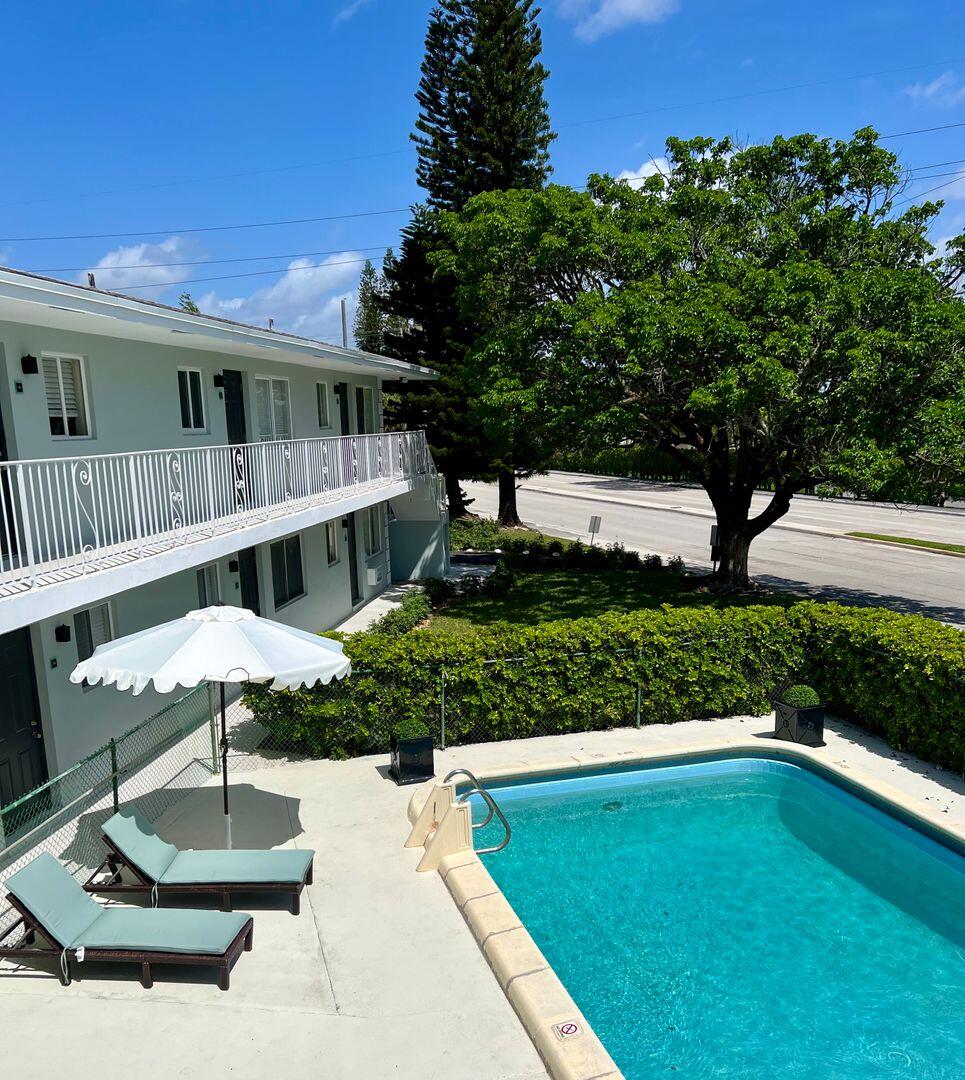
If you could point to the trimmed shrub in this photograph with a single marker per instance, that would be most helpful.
(898, 676)
(414, 608)
(515, 682)
(799, 696)
(410, 728)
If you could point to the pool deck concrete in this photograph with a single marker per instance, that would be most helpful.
(379, 976)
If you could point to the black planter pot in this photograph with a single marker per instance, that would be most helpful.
(805, 726)
(411, 760)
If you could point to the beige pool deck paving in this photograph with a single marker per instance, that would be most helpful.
(379, 976)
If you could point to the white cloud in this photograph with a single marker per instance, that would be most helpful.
(648, 168)
(945, 91)
(306, 300)
(595, 18)
(349, 11)
(126, 266)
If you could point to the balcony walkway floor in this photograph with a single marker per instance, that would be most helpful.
(58, 571)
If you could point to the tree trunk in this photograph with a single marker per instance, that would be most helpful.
(508, 514)
(736, 529)
(454, 498)
(734, 543)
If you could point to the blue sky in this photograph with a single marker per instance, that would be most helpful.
(187, 114)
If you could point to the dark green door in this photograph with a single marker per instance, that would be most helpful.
(23, 765)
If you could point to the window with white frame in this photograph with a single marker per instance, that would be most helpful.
(272, 408)
(209, 586)
(321, 397)
(372, 530)
(66, 391)
(92, 627)
(192, 399)
(286, 570)
(331, 541)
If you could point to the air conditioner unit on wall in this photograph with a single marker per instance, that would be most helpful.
(376, 575)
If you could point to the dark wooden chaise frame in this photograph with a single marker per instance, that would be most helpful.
(26, 947)
(114, 863)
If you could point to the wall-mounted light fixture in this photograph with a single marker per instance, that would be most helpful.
(233, 566)
(62, 633)
(28, 365)
(219, 379)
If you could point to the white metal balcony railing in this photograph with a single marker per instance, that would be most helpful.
(60, 517)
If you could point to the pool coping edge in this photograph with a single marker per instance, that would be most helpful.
(538, 996)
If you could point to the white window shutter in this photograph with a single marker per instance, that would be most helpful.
(100, 625)
(52, 386)
(70, 378)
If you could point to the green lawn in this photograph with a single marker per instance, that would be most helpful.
(542, 596)
(910, 541)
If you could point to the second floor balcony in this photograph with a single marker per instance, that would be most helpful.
(66, 521)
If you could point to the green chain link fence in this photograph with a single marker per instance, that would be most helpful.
(152, 766)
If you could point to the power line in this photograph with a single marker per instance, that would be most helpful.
(762, 93)
(211, 262)
(252, 273)
(347, 262)
(570, 124)
(206, 228)
(208, 179)
(920, 131)
(928, 191)
(353, 247)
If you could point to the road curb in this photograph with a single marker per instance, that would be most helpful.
(693, 511)
(905, 547)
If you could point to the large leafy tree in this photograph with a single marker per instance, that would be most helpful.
(483, 125)
(770, 316)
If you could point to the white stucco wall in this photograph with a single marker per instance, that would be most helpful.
(133, 394)
(134, 405)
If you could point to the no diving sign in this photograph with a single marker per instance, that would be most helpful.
(568, 1029)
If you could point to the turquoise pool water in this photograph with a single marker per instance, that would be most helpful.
(742, 918)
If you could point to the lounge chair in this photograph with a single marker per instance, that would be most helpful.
(161, 868)
(54, 908)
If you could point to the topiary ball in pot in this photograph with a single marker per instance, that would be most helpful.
(799, 716)
(411, 754)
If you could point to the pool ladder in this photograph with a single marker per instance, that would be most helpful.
(444, 825)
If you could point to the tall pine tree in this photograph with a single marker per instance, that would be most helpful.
(483, 125)
(369, 329)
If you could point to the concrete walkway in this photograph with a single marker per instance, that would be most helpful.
(379, 976)
(371, 612)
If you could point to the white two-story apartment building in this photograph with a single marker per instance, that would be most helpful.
(153, 461)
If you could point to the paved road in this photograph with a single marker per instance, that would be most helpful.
(806, 553)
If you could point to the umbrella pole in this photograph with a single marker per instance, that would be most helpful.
(224, 771)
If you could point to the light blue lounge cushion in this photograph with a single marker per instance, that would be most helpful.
(163, 930)
(73, 919)
(52, 896)
(134, 838)
(239, 866)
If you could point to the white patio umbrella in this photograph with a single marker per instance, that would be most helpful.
(216, 644)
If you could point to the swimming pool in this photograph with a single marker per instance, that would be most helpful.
(741, 917)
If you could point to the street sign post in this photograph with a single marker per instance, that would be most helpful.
(595, 522)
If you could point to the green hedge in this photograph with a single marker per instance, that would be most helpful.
(573, 676)
(899, 676)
